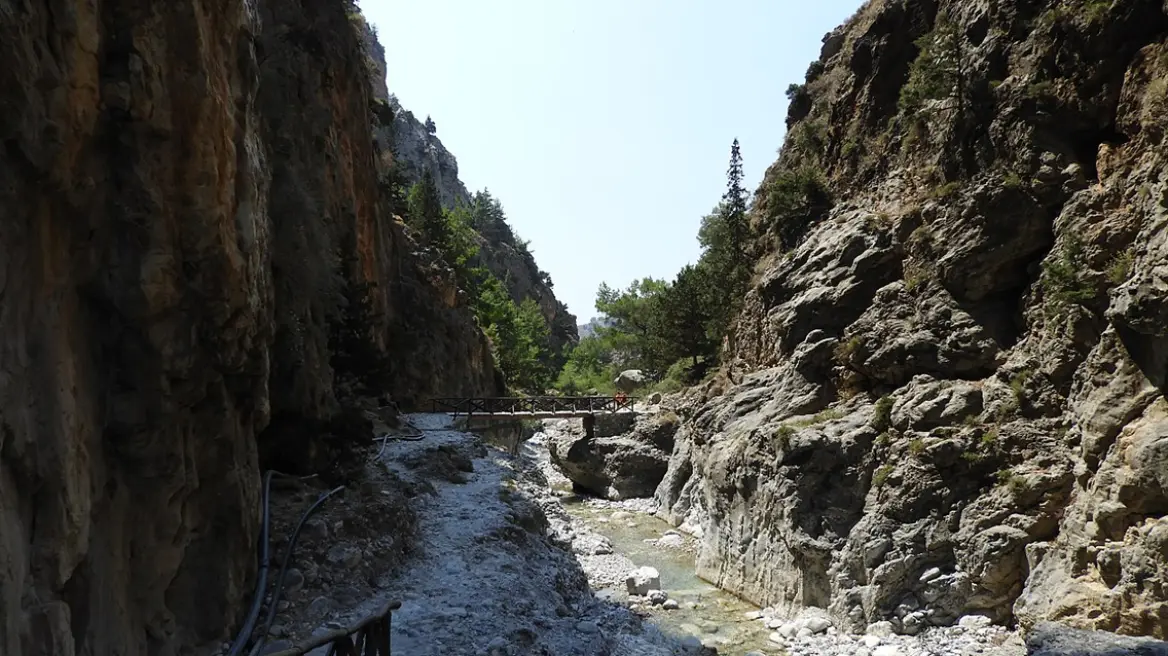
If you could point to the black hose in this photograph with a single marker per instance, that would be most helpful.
(262, 582)
(284, 567)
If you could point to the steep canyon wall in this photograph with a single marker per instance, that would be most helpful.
(188, 189)
(946, 388)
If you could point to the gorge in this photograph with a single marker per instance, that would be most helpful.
(940, 395)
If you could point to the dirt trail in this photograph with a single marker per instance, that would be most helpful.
(491, 576)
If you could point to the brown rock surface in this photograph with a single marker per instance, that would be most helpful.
(186, 196)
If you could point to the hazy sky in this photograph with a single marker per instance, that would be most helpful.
(603, 126)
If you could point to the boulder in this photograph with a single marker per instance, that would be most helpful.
(616, 467)
(629, 380)
(643, 580)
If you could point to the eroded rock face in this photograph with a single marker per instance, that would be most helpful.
(947, 398)
(176, 241)
(616, 466)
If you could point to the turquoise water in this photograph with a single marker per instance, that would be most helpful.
(715, 616)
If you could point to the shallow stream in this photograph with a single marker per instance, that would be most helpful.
(716, 617)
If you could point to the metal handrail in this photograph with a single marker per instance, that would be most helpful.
(532, 404)
(368, 637)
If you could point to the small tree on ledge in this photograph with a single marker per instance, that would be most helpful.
(431, 129)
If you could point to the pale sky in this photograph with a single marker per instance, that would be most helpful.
(603, 126)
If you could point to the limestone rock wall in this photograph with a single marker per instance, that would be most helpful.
(948, 397)
(184, 189)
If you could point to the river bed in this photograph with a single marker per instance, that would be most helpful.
(716, 617)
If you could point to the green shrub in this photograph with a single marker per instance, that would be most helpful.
(783, 436)
(916, 447)
(1120, 267)
(1062, 280)
(882, 413)
(941, 192)
(880, 476)
(1012, 180)
(795, 201)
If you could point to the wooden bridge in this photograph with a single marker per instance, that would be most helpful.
(534, 407)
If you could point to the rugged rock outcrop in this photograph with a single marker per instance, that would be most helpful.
(946, 389)
(500, 251)
(621, 461)
(192, 229)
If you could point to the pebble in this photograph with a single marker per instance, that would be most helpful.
(657, 597)
(670, 604)
(777, 638)
(752, 614)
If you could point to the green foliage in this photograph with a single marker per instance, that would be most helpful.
(882, 414)
(941, 192)
(783, 436)
(795, 200)
(831, 414)
(519, 336)
(425, 213)
(1018, 383)
(916, 447)
(938, 72)
(880, 476)
(1062, 280)
(1040, 90)
(1012, 180)
(845, 350)
(1120, 267)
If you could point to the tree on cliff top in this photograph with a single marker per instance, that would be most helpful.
(431, 129)
(734, 211)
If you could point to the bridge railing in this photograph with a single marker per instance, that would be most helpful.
(368, 637)
(533, 405)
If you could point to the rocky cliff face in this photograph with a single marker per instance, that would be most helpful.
(416, 151)
(177, 248)
(946, 393)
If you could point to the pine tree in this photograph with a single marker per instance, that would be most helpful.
(430, 127)
(734, 216)
(426, 215)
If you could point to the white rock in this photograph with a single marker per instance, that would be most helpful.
(670, 604)
(871, 641)
(752, 614)
(887, 650)
(973, 622)
(641, 580)
(674, 541)
(817, 624)
(804, 633)
(657, 597)
(861, 651)
(777, 638)
(773, 623)
(788, 630)
(930, 574)
(883, 629)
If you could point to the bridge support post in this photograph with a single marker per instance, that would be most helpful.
(589, 426)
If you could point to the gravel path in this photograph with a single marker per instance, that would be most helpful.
(495, 575)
